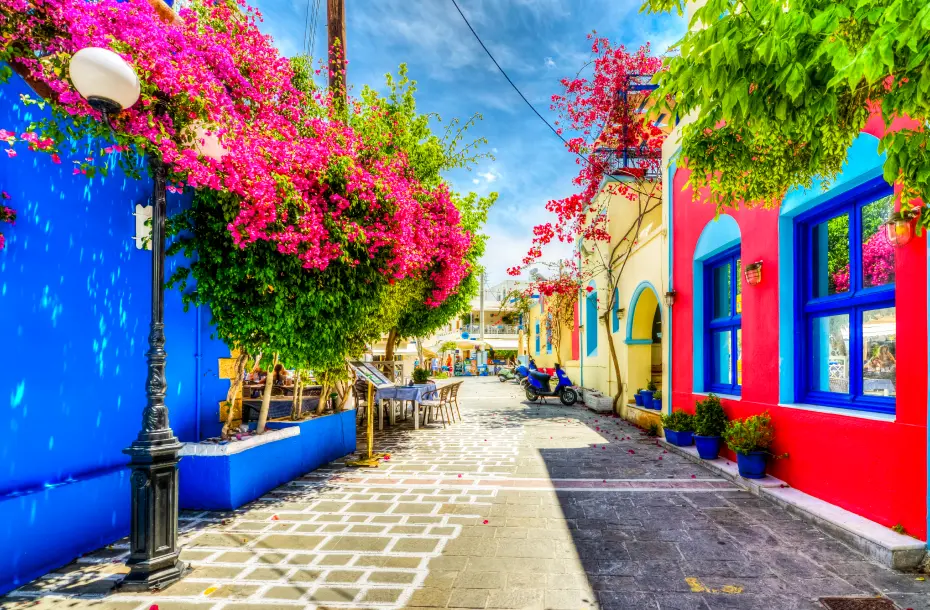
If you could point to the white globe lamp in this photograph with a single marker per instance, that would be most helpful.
(104, 79)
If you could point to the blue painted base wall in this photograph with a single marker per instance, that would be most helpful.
(323, 439)
(45, 529)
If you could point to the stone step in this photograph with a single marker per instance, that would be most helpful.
(876, 541)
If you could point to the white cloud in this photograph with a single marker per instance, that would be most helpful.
(549, 63)
(475, 181)
(489, 176)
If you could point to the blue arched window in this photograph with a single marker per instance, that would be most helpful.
(723, 333)
(590, 322)
(616, 309)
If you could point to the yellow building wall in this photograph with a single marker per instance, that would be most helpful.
(644, 277)
(563, 354)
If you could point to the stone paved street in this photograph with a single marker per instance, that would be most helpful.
(514, 507)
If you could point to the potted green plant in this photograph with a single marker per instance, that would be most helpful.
(420, 376)
(647, 394)
(679, 428)
(638, 397)
(750, 439)
(710, 421)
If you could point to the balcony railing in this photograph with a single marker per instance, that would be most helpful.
(632, 161)
(474, 330)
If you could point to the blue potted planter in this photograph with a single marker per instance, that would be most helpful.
(657, 404)
(647, 397)
(679, 439)
(751, 465)
(638, 398)
(708, 447)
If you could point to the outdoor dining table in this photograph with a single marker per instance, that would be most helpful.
(414, 393)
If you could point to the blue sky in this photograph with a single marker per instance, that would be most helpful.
(537, 42)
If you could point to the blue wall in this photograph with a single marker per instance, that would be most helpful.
(74, 314)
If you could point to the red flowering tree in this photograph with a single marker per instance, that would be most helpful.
(618, 144)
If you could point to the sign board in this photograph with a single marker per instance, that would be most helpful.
(369, 372)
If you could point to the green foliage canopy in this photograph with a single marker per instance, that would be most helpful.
(781, 88)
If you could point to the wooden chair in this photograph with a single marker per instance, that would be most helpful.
(455, 398)
(439, 403)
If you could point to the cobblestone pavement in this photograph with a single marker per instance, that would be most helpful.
(515, 506)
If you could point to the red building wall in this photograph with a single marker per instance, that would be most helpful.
(874, 468)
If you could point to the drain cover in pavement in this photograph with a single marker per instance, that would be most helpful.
(857, 603)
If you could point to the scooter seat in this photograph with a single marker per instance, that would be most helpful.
(539, 376)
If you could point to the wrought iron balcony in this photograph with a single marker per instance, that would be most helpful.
(632, 161)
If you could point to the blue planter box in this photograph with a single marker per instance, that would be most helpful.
(681, 439)
(656, 404)
(224, 477)
(638, 398)
(322, 439)
(647, 398)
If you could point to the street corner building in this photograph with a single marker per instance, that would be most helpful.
(811, 313)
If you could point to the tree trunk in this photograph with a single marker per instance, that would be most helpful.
(324, 392)
(266, 399)
(613, 358)
(389, 351)
(420, 355)
(235, 392)
(296, 406)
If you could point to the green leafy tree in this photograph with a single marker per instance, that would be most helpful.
(779, 89)
(392, 121)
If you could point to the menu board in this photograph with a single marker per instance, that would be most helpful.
(368, 371)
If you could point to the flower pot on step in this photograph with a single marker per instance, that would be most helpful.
(751, 465)
(708, 447)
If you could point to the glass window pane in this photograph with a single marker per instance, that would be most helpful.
(830, 354)
(739, 286)
(721, 295)
(878, 344)
(830, 256)
(720, 358)
(877, 251)
(739, 356)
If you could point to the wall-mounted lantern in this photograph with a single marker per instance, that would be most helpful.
(900, 228)
(670, 298)
(753, 273)
(621, 313)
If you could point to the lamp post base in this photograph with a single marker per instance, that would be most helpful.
(140, 578)
(153, 541)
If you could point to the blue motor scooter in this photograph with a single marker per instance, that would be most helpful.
(539, 386)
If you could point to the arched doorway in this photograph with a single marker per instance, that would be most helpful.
(644, 338)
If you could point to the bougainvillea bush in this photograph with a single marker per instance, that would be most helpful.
(599, 125)
(304, 181)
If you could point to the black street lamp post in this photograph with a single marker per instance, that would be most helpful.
(110, 85)
(153, 541)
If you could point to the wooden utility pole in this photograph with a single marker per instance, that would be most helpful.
(336, 31)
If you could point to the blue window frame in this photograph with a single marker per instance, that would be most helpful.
(723, 333)
(590, 321)
(845, 315)
(537, 337)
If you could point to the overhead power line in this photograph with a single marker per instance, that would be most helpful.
(515, 88)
